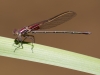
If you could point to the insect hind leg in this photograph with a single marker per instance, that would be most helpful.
(33, 41)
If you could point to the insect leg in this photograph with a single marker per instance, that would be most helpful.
(33, 41)
(19, 43)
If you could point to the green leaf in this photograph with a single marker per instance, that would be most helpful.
(50, 55)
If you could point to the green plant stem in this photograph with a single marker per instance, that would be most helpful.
(51, 56)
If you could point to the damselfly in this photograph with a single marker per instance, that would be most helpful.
(46, 24)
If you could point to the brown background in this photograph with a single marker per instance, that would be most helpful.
(20, 13)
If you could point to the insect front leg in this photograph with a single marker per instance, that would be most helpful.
(19, 42)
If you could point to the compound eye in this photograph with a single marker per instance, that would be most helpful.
(14, 31)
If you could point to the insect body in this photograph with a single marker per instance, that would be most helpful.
(46, 24)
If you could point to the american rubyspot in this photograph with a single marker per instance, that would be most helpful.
(46, 24)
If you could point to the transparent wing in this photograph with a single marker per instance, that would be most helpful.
(54, 21)
(57, 20)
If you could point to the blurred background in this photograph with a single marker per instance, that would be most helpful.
(15, 14)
